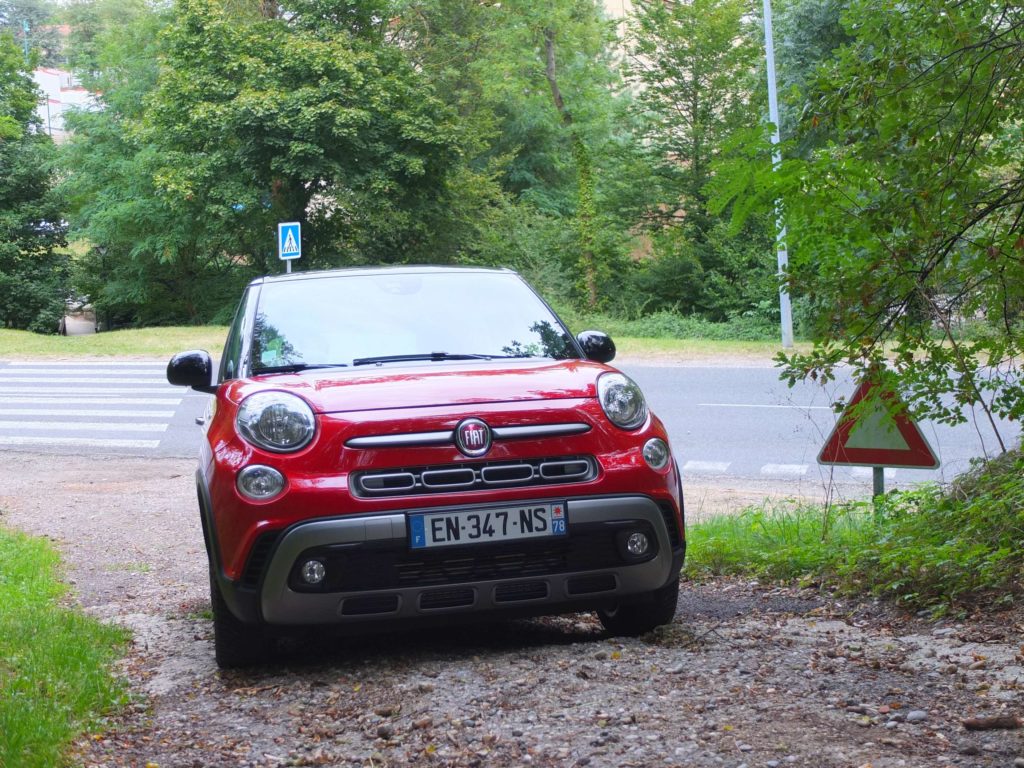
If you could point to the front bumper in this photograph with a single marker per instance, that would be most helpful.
(538, 577)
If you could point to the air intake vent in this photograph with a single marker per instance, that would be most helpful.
(367, 606)
(446, 598)
(405, 481)
(668, 513)
(523, 590)
(259, 555)
(588, 585)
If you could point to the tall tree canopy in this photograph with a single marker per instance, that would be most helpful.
(695, 67)
(906, 224)
(33, 275)
(253, 114)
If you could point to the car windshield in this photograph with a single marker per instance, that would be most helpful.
(392, 317)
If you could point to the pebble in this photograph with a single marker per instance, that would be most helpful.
(1018, 763)
(917, 716)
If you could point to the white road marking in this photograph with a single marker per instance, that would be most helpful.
(99, 372)
(168, 390)
(67, 380)
(84, 442)
(85, 363)
(82, 426)
(48, 399)
(82, 412)
(754, 405)
(784, 470)
(706, 467)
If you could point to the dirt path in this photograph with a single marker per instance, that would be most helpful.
(748, 675)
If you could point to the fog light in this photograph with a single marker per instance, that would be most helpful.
(259, 482)
(656, 453)
(637, 544)
(313, 571)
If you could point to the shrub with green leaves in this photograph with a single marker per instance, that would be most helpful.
(939, 548)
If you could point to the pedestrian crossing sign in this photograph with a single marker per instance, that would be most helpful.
(289, 240)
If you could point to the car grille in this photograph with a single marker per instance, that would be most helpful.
(474, 476)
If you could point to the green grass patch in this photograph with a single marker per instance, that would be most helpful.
(134, 342)
(943, 549)
(55, 678)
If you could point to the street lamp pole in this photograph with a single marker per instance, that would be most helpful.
(785, 307)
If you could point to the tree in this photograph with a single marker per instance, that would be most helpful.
(32, 21)
(246, 115)
(694, 65)
(33, 275)
(906, 225)
(537, 91)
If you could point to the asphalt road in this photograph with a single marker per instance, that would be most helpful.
(746, 423)
(725, 422)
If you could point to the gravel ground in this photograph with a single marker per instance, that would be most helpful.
(747, 675)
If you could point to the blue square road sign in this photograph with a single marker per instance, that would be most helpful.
(289, 240)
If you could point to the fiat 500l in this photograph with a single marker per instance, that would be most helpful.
(419, 444)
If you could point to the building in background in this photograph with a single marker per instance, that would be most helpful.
(61, 92)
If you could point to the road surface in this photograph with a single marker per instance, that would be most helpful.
(732, 423)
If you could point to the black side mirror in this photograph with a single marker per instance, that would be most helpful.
(597, 346)
(192, 369)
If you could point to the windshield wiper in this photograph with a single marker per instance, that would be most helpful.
(431, 356)
(295, 367)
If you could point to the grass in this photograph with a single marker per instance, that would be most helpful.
(942, 549)
(55, 679)
(164, 342)
(698, 349)
(135, 342)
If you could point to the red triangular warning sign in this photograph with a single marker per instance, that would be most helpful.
(879, 434)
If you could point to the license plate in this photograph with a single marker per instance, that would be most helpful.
(446, 529)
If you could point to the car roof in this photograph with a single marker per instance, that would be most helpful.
(386, 270)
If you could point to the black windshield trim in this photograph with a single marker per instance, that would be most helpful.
(295, 368)
(430, 357)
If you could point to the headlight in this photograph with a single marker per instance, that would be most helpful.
(276, 421)
(622, 400)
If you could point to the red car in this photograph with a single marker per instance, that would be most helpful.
(416, 444)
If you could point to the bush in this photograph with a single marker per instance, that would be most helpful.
(936, 548)
(671, 325)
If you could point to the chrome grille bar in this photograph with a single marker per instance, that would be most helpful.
(476, 476)
(411, 439)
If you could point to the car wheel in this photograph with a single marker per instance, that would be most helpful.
(631, 619)
(235, 644)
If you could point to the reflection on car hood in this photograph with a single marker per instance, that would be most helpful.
(434, 384)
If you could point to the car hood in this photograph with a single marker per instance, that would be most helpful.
(435, 384)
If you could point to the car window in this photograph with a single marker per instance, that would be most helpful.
(345, 318)
(231, 363)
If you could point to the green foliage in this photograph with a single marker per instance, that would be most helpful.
(33, 274)
(905, 217)
(949, 547)
(941, 549)
(39, 16)
(55, 678)
(671, 325)
(782, 541)
(696, 68)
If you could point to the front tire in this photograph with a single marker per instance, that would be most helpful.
(632, 619)
(235, 644)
